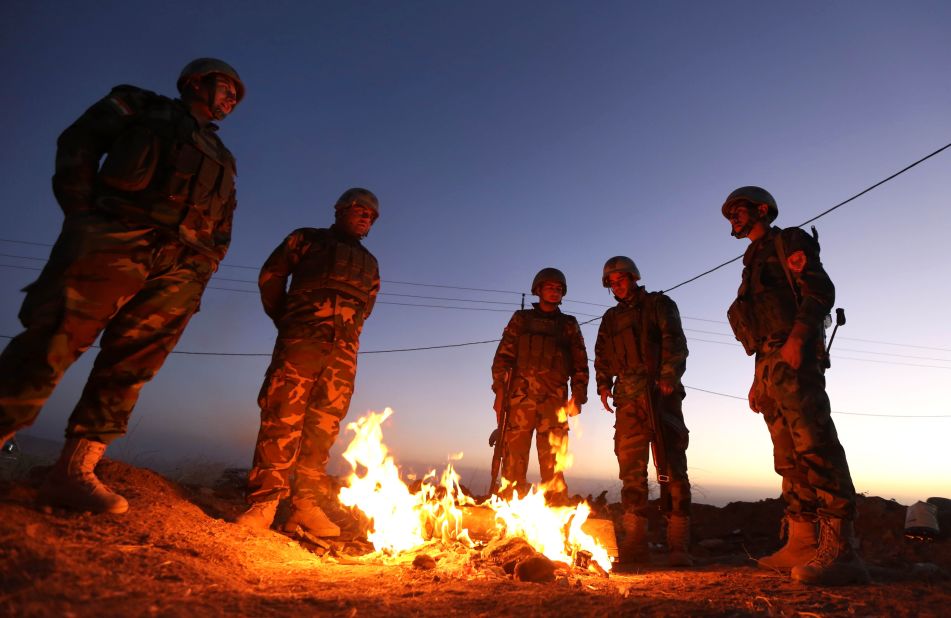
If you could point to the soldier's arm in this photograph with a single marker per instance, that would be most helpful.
(603, 370)
(579, 363)
(272, 281)
(374, 290)
(673, 354)
(504, 362)
(81, 146)
(816, 290)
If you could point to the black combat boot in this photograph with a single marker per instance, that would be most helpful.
(802, 541)
(836, 563)
(72, 482)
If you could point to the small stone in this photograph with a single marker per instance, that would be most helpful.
(537, 569)
(424, 561)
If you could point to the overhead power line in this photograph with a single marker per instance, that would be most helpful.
(823, 213)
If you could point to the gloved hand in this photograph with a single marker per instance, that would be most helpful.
(494, 437)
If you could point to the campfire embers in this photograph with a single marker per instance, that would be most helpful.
(441, 519)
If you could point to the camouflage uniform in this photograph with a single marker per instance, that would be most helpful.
(545, 350)
(806, 449)
(143, 233)
(308, 386)
(642, 330)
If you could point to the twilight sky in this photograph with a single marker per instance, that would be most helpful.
(503, 137)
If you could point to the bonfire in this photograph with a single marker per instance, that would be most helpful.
(440, 514)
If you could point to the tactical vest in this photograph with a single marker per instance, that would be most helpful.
(633, 338)
(163, 168)
(336, 265)
(766, 304)
(543, 343)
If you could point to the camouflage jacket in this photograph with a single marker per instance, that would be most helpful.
(768, 302)
(640, 336)
(160, 168)
(546, 351)
(334, 283)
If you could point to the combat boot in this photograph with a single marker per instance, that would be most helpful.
(307, 514)
(801, 545)
(836, 563)
(72, 483)
(633, 547)
(259, 516)
(678, 541)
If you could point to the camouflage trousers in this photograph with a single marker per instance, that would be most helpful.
(306, 393)
(131, 283)
(632, 438)
(527, 415)
(806, 449)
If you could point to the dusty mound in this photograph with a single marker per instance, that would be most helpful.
(175, 553)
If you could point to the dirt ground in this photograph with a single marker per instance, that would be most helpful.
(176, 554)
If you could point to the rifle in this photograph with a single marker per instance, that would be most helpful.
(654, 410)
(497, 438)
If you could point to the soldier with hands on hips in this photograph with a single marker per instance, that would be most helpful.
(143, 232)
(319, 316)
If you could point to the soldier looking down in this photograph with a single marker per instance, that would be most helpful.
(639, 359)
(334, 281)
(143, 232)
(540, 353)
(778, 316)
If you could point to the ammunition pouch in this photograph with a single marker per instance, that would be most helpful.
(740, 316)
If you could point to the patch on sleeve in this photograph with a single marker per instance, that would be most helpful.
(796, 261)
(121, 105)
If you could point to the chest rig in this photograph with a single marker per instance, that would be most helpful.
(632, 337)
(543, 343)
(337, 265)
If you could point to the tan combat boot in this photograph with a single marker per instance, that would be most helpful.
(836, 563)
(259, 516)
(801, 545)
(633, 547)
(72, 483)
(678, 541)
(307, 514)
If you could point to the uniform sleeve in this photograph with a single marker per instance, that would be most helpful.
(374, 290)
(579, 363)
(603, 366)
(673, 343)
(504, 362)
(272, 280)
(81, 146)
(816, 290)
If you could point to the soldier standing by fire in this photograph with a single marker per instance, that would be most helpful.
(778, 316)
(143, 233)
(639, 359)
(541, 351)
(308, 386)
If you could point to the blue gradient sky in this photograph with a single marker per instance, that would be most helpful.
(504, 137)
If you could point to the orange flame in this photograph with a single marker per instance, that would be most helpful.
(401, 520)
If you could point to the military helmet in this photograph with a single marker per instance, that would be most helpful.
(549, 274)
(620, 264)
(358, 196)
(201, 67)
(753, 195)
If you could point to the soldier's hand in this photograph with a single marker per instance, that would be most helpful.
(752, 399)
(494, 437)
(666, 386)
(604, 400)
(791, 352)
